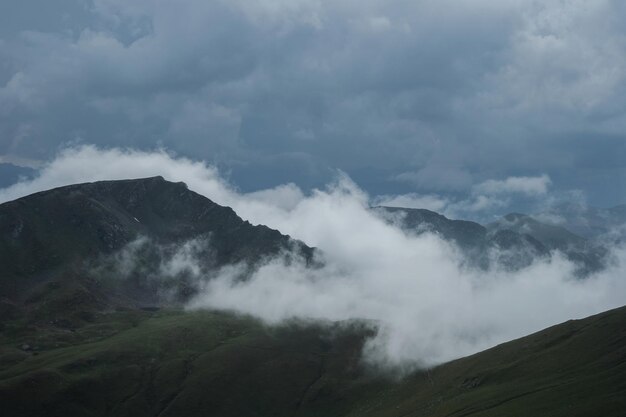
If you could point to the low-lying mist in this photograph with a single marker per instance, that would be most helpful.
(429, 307)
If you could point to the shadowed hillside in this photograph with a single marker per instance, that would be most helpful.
(50, 228)
(202, 363)
(49, 242)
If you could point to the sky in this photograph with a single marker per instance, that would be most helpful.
(488, 104)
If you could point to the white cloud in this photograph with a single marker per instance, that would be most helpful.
(476, 204)
(428, 308)
(565, 55)
(89, 163)
(531, 186)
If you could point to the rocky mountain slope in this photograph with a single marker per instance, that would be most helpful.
(50, 240)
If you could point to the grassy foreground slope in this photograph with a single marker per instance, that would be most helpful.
(172, 363)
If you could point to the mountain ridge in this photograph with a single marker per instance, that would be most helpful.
(513, 241)
(48, 237)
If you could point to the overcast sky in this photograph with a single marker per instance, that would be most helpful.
(419, 97)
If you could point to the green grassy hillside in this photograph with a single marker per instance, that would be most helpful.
(173, 363)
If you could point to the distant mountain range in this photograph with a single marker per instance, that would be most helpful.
(514, 241)
(78, 340)
(589, 222)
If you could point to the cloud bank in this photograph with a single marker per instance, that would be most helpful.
(428, 307)
(524, 185)
(405, 96)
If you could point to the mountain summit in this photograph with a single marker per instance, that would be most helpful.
(47, 237)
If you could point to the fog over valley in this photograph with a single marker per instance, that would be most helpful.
(427, 301)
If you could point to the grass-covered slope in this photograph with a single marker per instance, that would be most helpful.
(138, 363)
(577, 368)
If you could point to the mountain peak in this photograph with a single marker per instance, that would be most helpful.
(80, 221)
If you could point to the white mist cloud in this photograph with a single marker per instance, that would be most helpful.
(429, 309)
(484, 197)
(524, 185)
(89, 163)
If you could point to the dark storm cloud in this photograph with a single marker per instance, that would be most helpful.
(431, 95)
